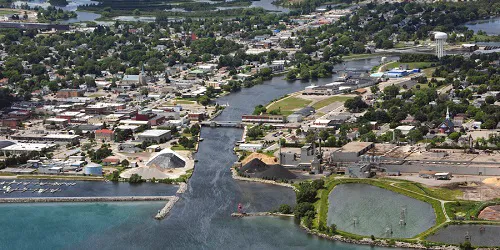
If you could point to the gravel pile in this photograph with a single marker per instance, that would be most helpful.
(254, 166)
(276, 172)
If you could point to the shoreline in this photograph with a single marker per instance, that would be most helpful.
(378, 243)
(237, 177)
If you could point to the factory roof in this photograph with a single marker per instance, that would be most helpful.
(28, 147)
(154, 132)
(61, 136)
(355, 146)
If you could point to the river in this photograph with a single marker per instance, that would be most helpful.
(84, 16)
(201, 218)
(490, 26)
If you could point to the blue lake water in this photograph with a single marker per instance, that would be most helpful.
(64, 225)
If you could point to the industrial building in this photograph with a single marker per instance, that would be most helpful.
(65, 138)
(23, 148)
(155, 135)
(351, 152)
(263, 118)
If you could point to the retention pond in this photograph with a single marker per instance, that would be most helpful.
(368, 210)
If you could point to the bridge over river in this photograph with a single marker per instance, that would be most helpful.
(231, 124)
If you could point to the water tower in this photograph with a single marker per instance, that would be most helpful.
(440, 38)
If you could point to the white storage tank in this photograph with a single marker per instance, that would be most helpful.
(93, 169)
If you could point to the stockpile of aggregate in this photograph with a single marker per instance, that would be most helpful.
(276, 172)
(254, 166)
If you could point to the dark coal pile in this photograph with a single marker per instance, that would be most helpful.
(276, 172)
(254, 166)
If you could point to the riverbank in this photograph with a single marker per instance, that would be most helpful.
(240, 178)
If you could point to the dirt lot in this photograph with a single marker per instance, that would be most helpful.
(472, 186)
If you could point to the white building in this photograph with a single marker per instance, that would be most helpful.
(155, 135)
(250, 146)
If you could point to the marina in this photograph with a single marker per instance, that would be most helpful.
(28, 186)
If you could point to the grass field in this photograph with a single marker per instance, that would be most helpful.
(184, 102)
(330, 100)
(288, 105)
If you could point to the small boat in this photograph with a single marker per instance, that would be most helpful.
(201, 139)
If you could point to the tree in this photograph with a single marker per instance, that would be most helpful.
(490, 99)
(195, 129)
(203, 100)
(254, 132)
(454, 136)
(285, 209)
(374, 89)
(355, 104)
(302, 208)
(135, 178)
(415, 135)
(125, 163)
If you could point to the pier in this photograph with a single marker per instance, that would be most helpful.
(86, 199)
(165, 210)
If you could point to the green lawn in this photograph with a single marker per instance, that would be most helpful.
(288, 105)
(428, 71)
(178, 101)
(330, 100)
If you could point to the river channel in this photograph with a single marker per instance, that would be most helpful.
(200, 219)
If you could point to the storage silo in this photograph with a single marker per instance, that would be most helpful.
(93, 169)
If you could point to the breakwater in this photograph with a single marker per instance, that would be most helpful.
(85, 199)
(182, 188)
(260, 214)
(165, 210)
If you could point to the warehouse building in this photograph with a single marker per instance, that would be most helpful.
(351, 152)
(155, 135)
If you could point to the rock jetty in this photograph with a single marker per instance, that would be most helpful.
(165, 210)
